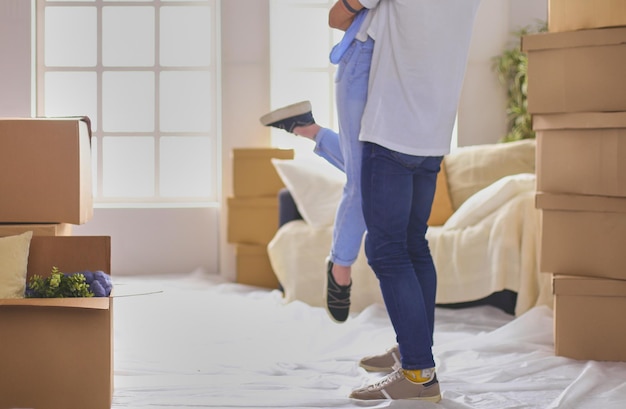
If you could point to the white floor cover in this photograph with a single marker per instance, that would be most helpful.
(201, 343)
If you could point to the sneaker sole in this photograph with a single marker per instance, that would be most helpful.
(298, 108)
(433, 399)
(370, 368)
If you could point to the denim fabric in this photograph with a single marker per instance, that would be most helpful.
(338, 51)
(398, 191)
(344, 150)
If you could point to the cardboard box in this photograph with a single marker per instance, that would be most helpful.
(253, 172)
(568, 15)
(583, 153)
(45, 171)
(588, 318)
(252, 220)
(253, 266)
(49, 229)
(58, 353)
(576, 71)
(582, 235)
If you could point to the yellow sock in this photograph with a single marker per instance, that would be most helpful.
(419, 375)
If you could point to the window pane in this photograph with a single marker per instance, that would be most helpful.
(128, 101)
(128, 36)
(128, 166)
(293, 86)
(302, 39)
(70, 36)
(71, 94)
(185, 36)
(185, 101)
(186, 166)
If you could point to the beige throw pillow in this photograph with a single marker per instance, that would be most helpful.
(13, 264)
(472, 168)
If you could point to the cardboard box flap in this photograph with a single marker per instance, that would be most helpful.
(91, 303)
(582, 120)
(581, 203)
(38, 125)
(250, 202)
(70, 254)
(588, 286)
(573, 39)
(263, 153)
(251, 250)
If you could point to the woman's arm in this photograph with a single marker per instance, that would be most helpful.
(342, 13)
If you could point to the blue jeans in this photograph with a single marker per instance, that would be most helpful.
(398, 191)
(344, 150)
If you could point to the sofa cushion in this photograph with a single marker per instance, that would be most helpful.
(316, 187)
(472, 168)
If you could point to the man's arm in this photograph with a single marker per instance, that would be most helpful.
(342, 13)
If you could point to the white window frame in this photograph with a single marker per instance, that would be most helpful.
(214, 68)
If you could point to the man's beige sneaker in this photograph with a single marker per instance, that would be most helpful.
(397, 386)
(387, 362)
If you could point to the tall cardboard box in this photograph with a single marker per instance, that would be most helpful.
(582, 235)
(38, 229)
(253, 172)
(576, 71)
(58, 353)
(253, 266)
(588, 318)
(582, 153)
(568, 15)
(252, 220)
(45, 170)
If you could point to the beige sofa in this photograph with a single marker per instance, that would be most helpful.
(483, 229)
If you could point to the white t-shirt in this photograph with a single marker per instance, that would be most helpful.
(418, 65)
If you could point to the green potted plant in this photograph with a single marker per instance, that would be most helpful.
(512, 68)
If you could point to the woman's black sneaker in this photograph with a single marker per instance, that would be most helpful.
(289, 117)
(337, 297)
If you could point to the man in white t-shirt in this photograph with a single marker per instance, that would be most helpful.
(419, 60)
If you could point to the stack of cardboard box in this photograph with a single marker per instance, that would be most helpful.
(253, 212)
(56, 353)
(577, 96)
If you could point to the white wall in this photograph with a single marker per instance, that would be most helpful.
(482, 116)
(180, 240)
(15, 60)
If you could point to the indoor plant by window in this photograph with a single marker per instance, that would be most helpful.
(512, 67)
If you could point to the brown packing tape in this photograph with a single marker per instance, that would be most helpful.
(574, 39)
(581, 203)
(581, 120)
(588, 286)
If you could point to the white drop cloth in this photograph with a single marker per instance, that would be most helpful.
(203, 343)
